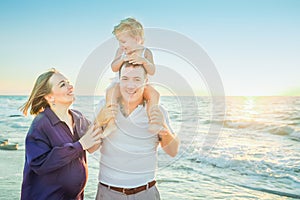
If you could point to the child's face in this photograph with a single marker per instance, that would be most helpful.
(127, 42)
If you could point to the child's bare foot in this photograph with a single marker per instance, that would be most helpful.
(111, 126)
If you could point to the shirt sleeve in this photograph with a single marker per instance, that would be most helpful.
(43, 158)
(166, 115)
(82, 124)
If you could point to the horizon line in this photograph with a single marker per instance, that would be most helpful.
(85, 95)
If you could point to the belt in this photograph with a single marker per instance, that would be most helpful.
(129, 191)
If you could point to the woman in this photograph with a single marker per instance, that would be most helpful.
(55, 163)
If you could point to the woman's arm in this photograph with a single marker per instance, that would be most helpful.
(43, 158)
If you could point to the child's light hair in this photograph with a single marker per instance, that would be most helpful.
(131, 26)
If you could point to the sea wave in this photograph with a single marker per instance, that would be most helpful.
(283, 130)
(270, 191)
(251, 165)
(295, 135)
(260, 176)
(287, 129)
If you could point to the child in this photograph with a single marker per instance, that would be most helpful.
(130, 34)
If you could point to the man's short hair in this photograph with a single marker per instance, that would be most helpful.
(127, 64)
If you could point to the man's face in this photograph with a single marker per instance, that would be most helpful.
(132, 83)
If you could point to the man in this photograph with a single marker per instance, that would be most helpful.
(129, 154)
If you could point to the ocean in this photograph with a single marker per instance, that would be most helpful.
(243, 148)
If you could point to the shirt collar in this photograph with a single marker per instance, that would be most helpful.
(55, 120)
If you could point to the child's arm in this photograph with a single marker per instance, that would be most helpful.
(149, 63)
(118, 61)
(146, 61)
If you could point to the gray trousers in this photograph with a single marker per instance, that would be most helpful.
(104, 193)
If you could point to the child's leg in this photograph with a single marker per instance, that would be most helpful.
(112, 96)
(152, 98)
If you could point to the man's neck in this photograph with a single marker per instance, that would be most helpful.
(128, 107)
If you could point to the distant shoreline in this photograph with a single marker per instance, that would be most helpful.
(255, 96)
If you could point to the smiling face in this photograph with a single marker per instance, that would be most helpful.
(132, 83)
(62, 90)
(127, 42)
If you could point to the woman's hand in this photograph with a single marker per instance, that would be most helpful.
(91, 138)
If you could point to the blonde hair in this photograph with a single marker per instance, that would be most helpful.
(131, 26)
(36, 101)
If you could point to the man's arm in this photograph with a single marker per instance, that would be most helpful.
(169, 141)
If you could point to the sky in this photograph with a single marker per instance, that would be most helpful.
(254, 45)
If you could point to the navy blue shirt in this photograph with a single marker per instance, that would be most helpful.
(55, 163)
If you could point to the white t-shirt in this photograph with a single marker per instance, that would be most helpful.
(129, 154)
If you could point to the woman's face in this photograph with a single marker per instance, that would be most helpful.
(62, 90)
